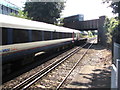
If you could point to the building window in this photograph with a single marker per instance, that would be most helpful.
(2, 7)
(11, 10)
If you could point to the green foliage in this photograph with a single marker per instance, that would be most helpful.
(113, 29)
(21, 14)
(59, 22)
(110, 26)
(47, 12)
(115, 7)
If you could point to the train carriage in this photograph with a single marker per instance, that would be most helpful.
(21, 37)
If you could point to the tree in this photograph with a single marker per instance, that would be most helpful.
(110, 27)
(47, 12)
(116, 32)
(114, 5)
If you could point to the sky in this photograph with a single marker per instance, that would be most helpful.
(91, 9)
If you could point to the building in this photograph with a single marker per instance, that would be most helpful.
(6, 7)
(73, 21)
(73, 18)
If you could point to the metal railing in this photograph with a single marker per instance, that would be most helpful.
(115, 76)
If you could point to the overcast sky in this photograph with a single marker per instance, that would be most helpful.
(91, 9)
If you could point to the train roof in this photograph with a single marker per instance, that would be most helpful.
(15, 22)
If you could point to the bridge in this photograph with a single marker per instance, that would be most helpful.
(95, 24)
(83, 25)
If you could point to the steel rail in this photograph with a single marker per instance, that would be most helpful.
(29, 81)
(58, 87)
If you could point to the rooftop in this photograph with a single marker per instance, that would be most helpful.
(9, 4)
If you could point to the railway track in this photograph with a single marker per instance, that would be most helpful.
(58, 87)
(34, 78)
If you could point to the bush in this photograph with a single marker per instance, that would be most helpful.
(111, 29)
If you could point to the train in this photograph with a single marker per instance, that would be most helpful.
(22, 38)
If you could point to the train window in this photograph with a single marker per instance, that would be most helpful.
(47, 35)
(54, 35)
(69, 35)
(60, 35)
(75, 35)
(20, 36)
(65, 35)
(36, 35)
(4, 36)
